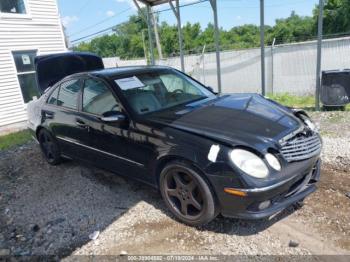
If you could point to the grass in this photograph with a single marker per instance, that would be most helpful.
(14, 139)
(294, 101)
(304, 102)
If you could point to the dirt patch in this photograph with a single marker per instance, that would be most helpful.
(329, 206)
(53, 209)
(159, 237)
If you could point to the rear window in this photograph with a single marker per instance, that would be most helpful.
(68, 94)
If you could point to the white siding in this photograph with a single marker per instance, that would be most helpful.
(40, 30)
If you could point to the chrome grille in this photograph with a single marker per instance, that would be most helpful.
(301, 147)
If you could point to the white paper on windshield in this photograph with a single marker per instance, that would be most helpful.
(129, 83)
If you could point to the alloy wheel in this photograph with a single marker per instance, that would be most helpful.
(184, 193)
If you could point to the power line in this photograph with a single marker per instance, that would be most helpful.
(111, 27)
(184, 5)
(87, 36)
(99, 32)
(257, 6)
(169, 9)
(101, 22)
(82, 8)
(107, 19)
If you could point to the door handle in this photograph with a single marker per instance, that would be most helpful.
(48, 115)
(82, 124)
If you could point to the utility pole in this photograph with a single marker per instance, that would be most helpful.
(214, 6)
(147, 19)
(150, 38)
(176, 11)
(262, 45)
(144, 46)
(155, 28)
(319, 54)
(272, 65)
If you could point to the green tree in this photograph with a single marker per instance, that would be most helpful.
(126, 39)
(169, 39)
(293, 28)
(130, 37)
(336, 17)
(207, 37)
(191, 35)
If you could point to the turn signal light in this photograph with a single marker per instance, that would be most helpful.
(235, 192)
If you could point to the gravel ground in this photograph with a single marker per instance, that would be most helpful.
(53, 210)
(335, 130)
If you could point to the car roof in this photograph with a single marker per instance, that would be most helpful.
(124, 70)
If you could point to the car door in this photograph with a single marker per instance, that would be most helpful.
(60, 114)
(110, 142)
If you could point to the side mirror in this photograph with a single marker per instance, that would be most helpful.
(212, 90)
(113, 117)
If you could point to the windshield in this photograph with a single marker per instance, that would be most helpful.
(155, 91)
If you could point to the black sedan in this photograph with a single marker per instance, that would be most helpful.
(240, 155)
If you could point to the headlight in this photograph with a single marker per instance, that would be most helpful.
(273, 161)
(249, 163)
(308, 122)
(311, 125)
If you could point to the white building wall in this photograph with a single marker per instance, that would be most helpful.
(39, 30)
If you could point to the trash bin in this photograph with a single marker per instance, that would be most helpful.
(335, 88)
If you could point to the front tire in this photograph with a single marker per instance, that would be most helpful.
(49, 147)
(187, 194)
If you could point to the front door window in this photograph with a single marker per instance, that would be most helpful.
(98, 99)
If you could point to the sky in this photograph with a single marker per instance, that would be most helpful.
(85, 17)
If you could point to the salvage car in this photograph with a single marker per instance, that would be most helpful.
(239, 155)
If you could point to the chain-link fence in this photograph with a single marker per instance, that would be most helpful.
(290, 68)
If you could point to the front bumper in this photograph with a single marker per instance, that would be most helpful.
(281, 195)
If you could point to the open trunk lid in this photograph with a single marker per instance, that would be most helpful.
(52, 68)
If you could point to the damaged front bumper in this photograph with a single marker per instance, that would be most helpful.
(266, 201)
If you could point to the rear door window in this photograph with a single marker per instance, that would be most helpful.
(53, 97)
(68, 94)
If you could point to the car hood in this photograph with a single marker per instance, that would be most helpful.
(241, 119)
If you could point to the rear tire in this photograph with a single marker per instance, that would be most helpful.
(187, 194)
(49, 147)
